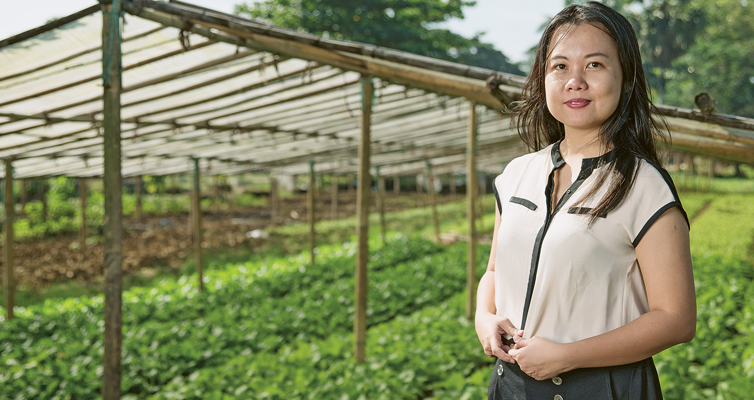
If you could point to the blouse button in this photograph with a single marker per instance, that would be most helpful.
(500, 369)
(557, 380)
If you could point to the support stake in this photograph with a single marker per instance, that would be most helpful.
(310, 208)
(113, 187)
(362, 207)
(9, 281)
(197, 222)
(433, 200)
(381, 199)
(471, 188)
(82, 195)
(334, 200)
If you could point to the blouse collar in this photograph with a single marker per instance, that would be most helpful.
(587, 164)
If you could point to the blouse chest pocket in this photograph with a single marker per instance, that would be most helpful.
(583, 211)
(521, 201)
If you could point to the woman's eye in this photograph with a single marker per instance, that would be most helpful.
(559, 66)
(595, 64)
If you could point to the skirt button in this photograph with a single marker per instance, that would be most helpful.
(500, 369)
(557, 380)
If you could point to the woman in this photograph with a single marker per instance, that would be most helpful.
(590, 269)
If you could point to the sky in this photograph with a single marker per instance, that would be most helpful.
(510, 25)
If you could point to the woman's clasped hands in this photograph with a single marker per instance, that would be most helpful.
(539, 358)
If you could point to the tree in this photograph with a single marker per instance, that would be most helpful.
(720, 63)
(666, 30)
(397, 24)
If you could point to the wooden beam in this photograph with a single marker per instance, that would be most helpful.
(113, 221)
(196, 207)
(471, 187)
(49, 26)
(310, 209)
(9, 281)
(362, 210)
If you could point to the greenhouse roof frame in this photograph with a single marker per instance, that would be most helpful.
(242, 96)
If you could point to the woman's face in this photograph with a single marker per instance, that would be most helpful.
(583, 78)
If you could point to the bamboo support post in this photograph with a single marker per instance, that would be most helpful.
(433, 200)
(139, 200)
(82, 195)
(351, 184)
(215, 193)
(113, 229)
(397, 184)
(9, 281)
(197, 225)
(452, 184)
(22, 196)
(43, 197)
(311, 211)
(334, 199)
(362, 204)
(482, 186)
(273, 200)
(471, 186)
(381, 201)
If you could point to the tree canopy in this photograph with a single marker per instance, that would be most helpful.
(695, 46)
(399, 24)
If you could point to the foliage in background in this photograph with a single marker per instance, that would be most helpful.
(695, 46)
(396, 24)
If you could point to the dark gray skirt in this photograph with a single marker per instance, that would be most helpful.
(636, 381)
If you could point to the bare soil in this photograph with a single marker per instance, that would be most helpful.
(166, 242)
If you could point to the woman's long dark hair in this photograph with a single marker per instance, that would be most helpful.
(630, 130)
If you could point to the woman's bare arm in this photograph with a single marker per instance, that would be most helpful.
(665, 261)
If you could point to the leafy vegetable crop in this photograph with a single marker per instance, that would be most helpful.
(55, 350)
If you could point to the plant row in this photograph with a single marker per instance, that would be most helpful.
(55, 351)
(427, 354)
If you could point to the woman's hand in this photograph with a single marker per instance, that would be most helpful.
(490, 329)
(539, 358)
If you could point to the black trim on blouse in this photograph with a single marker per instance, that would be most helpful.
(497, 195)
(588, 165)
(677, 203)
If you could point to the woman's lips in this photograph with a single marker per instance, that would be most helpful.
(578, 103)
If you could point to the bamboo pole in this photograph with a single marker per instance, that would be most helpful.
(9, 281)
(482, 187)
(23, 197)
(43, 197)
(273, 200)
(334, 201)
(216, 192)
(310, 208)
(397, 184)
(381, 200)
(139, 200)
(113, 229)
(197, 225)
(82, 195)
(452, 184)
(362, 204)
(471, 186)
(433, 200)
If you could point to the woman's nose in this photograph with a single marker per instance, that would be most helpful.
(576, 81)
